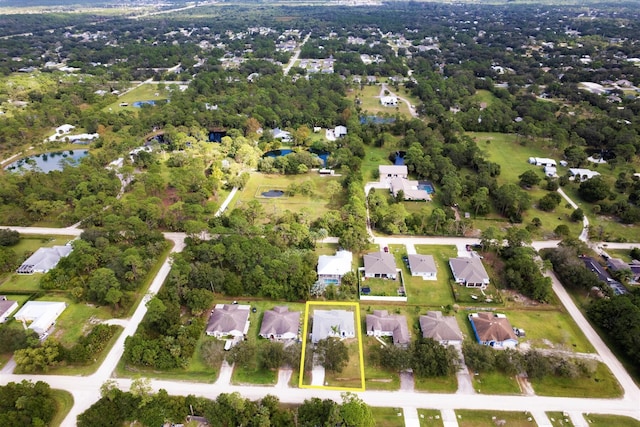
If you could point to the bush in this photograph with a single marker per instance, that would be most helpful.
(9, 237)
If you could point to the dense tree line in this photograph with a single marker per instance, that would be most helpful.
(149, 409)
(27, 404)
(424, 356)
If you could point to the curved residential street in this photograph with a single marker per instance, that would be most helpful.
(86, 390)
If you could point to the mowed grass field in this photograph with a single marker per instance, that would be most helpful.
(314, 205)
(388, 417)
(145, 92)
(369, 98)
(600, 384)
(597, 420)
(467, 418)
(430, 418)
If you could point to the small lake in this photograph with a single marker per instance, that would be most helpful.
(48, 162)
(283, 152)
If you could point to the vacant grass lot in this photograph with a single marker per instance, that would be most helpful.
(377, 378)
(350, 377)
(314, 205)
(611, 420)
(495, 383)
(558, 419)
(437, 384)
(468, 418)
(374, 157)
(600, 384)
(388, 417)
(430, 418)
(555, 327)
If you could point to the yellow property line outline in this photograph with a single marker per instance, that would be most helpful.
(305, 334)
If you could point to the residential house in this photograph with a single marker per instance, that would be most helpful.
(389, 101)
(280, 324)
(542, 161)
(616, 264)
(229, 320)
(469, 272)
(331, 268)
(423, 266)
(493, 329)
(340, 131)
(381, 265)
(44, 259)
(582, 174)
(41, 315)
(443, 329)
(410, 189)
(332, 323)
(388, 172)
(383, 324)
(6, 308)
(282, 135)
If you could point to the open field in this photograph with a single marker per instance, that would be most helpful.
(375, 156)
(146, 92)
(434, 293)
(483, 96)
(314, 205)
(388, 417)
(600, 384)
(437, 384)
(468, 418)
(430, 418)
(351, 376)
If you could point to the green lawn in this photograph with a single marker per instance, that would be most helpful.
(21, 283)
(381, 287)
(350, 377)
(388, 417)
(430, 418)
(483, 95)
(314, 205)
(437, 384)
(467, 418)
(377, 378)
(434, 293)
(374, 157)
(558, 419)
(495, 383)
(600, 384)
(597, 420)
(146, 92)
(64, 403)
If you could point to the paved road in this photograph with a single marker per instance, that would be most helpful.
(295, 56)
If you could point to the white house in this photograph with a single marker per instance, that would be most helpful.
(423, 266)
(6, 308)
(469, 272)
(332, 323)
(388, 172)
(44, 259)
(583, 174)
(340, 131)
(541, 161)
(389, 101)
(282, 135)
(61, 130)
(331, 268)
(40, 314)
(383, 324)
(550, 171)
(410, 189)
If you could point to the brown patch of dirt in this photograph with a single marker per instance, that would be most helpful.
(170, 197)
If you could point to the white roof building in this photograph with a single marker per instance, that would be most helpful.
(584, 174)
(41, 314)
(44, 259)
(331, 268)
(389, 101)
(332, 323)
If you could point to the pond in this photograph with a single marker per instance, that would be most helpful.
(273, 193)
(47, 162)
(324, 155)
(139, 104)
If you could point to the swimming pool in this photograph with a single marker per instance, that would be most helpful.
(426, 186)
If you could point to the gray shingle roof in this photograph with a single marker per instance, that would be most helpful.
(382, 321)
(440, 328)
(421, 263)
(468, 269)
(380, 263)
(280, 321)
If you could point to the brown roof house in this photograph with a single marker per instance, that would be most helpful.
(383, 324)
(380, 264)
(469, 272)
(6, 308)
(280, 324)
(422, 266)
(493, 329)
(229, 320)
(443, 329)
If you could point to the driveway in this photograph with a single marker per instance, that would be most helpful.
(225, 374)
(284, 376)
(317, 375)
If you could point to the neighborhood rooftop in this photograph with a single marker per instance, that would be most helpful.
(439, 327)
